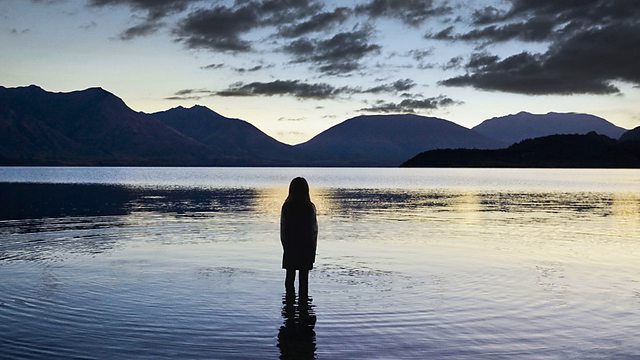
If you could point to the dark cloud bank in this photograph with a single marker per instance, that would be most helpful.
(295, 88)
(592, 44)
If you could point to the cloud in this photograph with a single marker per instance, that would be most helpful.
(411, 105)
(481, 59)
(155, 9)
(15, 31)
(587, 62)
(295, 88)
(253, 68)
(397, 86)
(190, 94)
(340, 54)
(487, 15)
(221, 28)
(587, 11)
(303, 90)
(444, 34)
(317, 22)
(218, 28)
(89, 25)
(421, 54)
(142, 29)
(453, 63)
(539, 21)
(411, 12)
(48, 2)
(535, 29)
(589, 47)
(212, 66)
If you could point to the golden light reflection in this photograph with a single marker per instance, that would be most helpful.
(467, 206)
(269, 200)
(626, 205)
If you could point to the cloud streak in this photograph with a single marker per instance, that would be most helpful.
(339, 54)
(411, 12)
(411, 105)
(294, 88)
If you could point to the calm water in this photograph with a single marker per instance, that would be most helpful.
(412, 264)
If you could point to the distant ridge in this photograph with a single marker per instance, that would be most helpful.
(631, 135)
(387, 140)
(523, 125)
(567, 151)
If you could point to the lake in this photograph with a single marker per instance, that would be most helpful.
(411, 264)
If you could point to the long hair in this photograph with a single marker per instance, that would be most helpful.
(298, 191)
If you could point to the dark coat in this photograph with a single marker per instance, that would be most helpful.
(299, 235)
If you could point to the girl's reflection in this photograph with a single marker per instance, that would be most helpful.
(297, 338)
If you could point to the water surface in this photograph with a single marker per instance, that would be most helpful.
(412, 264)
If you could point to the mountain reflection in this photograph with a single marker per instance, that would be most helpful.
(37, 201)
(46, 221)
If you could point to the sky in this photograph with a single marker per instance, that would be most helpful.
(294, 68)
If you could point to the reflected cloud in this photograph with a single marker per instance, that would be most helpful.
(394, 203)
(553, 202)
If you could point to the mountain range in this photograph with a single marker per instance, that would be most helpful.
(95, 127)
(511, 129)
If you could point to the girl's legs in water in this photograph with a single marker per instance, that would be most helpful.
(289, 281)
(303, 283)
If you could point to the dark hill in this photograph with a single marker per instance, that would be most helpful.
(631, 135)
(387, 140)
(523, 125)
(89, 127)
(235, 138)
(570, 151)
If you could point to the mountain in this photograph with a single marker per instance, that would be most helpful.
(631, 135)
(89, 127)
(523, 125)
(235, 138)
(94, 127)
(571, 151)
(387, 140)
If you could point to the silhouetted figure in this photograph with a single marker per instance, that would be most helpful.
(298, 234)
(297, 337)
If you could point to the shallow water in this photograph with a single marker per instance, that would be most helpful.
(412, 264)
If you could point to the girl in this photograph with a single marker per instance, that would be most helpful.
(298, 234)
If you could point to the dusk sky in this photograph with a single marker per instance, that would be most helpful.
(293, 68)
